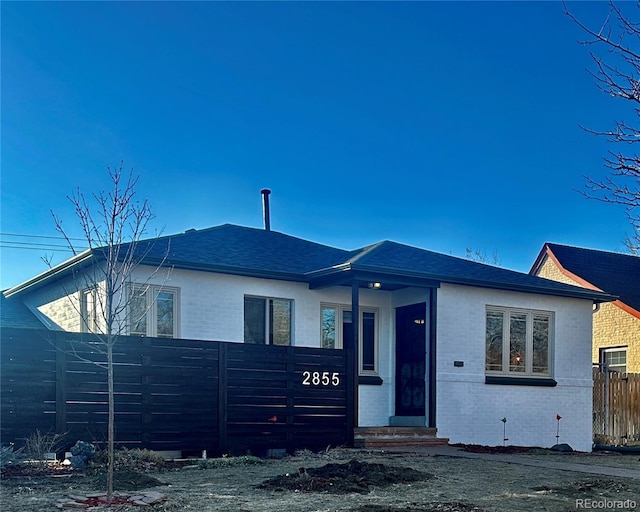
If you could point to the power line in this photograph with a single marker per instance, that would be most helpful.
(3, 246)
(42, 236)
(30, 242)
(34, 245)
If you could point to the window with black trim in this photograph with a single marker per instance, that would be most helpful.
(518, 342)
(267, 320)
(337, 325)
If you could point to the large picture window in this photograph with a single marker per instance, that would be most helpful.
(267, 321)
(518, 342)
(153, 311)
(337, 326)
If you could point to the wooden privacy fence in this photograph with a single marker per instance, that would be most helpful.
(616, 408)
(174, 394)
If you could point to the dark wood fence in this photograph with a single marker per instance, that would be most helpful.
(174, 394)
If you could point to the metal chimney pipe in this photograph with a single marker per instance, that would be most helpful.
(265, 208)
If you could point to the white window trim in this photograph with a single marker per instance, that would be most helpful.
(609, 350)
(152, 310)
(267, 324)
(339, 342)
(89, 325)
(530, 313)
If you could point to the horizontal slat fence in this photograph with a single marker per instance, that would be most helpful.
(175, 394)
(27, 385)
(616, 408)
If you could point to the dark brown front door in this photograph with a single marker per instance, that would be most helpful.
(411, 360)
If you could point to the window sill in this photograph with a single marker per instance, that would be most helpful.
(370, 380)
(520, 381)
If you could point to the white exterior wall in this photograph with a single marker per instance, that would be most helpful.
(211, 307)
(470, 411)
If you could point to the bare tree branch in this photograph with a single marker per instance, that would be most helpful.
(619, 76)
(114, 230)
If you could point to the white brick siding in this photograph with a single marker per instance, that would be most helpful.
(211, 307)
(469, 411)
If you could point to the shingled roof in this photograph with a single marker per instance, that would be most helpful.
(613, 273)
(260, 253)
(14, 313)
(237, 249)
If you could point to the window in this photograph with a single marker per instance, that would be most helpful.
(153, 311)
(267, 321)
(518, 342)
(89, 310)
(614, 358)
(337, 326)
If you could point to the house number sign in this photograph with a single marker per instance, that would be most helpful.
(320, 378)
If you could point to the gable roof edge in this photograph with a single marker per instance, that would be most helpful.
(547, 252)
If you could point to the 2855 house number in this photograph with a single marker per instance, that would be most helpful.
(320, 378)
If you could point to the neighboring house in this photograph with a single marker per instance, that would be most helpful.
(616, 325)
(442, 341)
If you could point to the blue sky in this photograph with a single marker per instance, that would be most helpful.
(443, 125)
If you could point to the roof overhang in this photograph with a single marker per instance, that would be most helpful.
(225, 269)
(346, 275)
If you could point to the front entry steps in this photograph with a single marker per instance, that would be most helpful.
(393, 437)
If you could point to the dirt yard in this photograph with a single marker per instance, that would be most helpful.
(343, 480)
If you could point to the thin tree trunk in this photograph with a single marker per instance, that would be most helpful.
(111, 421)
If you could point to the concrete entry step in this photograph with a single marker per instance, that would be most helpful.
(389, 437)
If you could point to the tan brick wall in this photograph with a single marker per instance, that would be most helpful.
(612, 326)
(65, 312)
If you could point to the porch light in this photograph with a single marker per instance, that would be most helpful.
(375, 286)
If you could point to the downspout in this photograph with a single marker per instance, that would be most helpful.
(353, 345)
(433, 306)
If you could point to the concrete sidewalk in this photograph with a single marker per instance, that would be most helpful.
(452, 451)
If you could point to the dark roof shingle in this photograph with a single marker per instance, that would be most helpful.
(241, 248)
(392, 256)
(14, 313)
(268, 254)
(614, 273)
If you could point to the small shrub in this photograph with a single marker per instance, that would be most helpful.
(140, 460)
(225, 461)
(39, 444)
(8, 455)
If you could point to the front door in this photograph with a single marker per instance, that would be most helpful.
(411, 342)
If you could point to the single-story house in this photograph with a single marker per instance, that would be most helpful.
(616, 325)
(442, 341)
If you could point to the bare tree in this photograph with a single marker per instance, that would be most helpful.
(113, 229)
(618, 74)
(481, 257)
